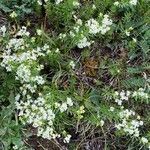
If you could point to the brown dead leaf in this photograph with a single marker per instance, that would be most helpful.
(91, 67)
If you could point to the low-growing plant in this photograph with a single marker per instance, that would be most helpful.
(78, 77)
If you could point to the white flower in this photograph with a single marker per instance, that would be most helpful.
(136, 134)
(38, 79)
(39, 32)
(127, 32)
(101, 122)
(22, 32)
(141, 123)
(39, 2)
(23, 73)
(93, 6)
(76, 4)
(17, 97)
(133, 2)
(116, 3)
(72, 64)
(67, 138)
(58, 1)
(144, 140)
(61, 36)
(112, 108)
(118, 101)
(69, 101)
(79, 21)
(57, 105)
(57, 50)
(13, 14)
(116, 93)
(3, 30)
(63, 107)
(15, 147)
(106, 23)
(135, 40)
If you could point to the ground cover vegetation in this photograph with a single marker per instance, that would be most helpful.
(74, 75)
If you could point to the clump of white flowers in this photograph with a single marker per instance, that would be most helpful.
(122, 96)
(23, 32)
(37, 110)
(130, 2)
(129, 121)
(64, 106)
(84, 43)
(127, 124)
(67, 138)
(144, 140)
(140, 93)
(93, 26)
(106, 23)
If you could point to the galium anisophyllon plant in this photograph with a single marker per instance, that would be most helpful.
(36, 111)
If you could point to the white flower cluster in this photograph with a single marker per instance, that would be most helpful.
(72, 64)
(64, 106)
(93, 26)
(67, 138)
(75, 31)
(23, 32)
(3, 30)
(84, 43)
(76, 4)
(145, 142)
(62, 36)
(22, 59)
(13, 14)
(140, 93)
(122, 96)
(125, 95)
(129, 121)
(106, 23)
(128, 125)
(38, 113)
(131, 2)
(14, 53)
